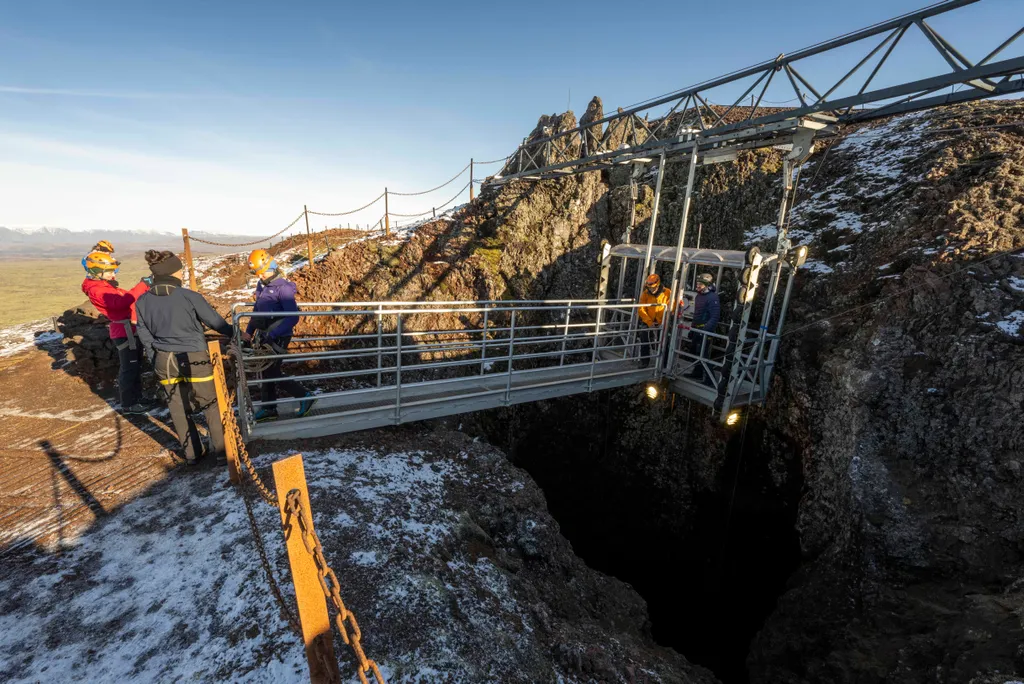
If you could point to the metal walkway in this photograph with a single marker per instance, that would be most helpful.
(390, 363)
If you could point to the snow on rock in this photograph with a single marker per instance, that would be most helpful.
(18, 338)
(445, 552)
(1012, 324)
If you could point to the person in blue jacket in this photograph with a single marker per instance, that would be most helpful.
(274, 292)
(706, 312)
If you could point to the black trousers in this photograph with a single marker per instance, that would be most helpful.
(187, 379)
(648, 344)
(129, 376)
(293, 388)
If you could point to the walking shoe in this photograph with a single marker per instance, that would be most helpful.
(306, 406)
(264, 415)
(136, 410)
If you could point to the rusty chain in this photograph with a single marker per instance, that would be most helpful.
(286, 612)
(232, 432)
(248, 244)
(350, 211)
(293, 508)
(426, 192)
(440, 206)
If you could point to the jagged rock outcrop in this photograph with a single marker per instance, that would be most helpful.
(90, 351)
(890, 443)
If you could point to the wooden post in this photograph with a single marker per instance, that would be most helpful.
(328, 243)
(309, 240)
(434, 209)
(470, 179)
(387, 221)
(316, 623)
(188, 260)
(220, 382)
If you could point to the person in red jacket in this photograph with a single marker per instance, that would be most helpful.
(119, 307)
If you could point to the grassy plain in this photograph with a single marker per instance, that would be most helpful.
(39, 288)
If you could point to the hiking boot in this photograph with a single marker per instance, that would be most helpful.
(306, 406)
(264, 415)
(136, 410)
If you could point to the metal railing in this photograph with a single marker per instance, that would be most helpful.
(384, 351)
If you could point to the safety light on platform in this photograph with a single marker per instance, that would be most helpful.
(652, 392)
(732, 418)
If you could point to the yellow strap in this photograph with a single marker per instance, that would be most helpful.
(175, 381)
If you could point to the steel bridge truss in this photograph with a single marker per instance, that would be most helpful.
(674, 123)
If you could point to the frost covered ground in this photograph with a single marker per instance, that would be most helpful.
(446, 555)
(19, 338)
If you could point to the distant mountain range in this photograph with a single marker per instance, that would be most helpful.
(61, 242)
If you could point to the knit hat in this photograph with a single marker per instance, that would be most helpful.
(166, 267)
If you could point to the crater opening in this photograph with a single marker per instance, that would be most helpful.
(709, 556)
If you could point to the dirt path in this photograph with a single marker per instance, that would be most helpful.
(66, 456)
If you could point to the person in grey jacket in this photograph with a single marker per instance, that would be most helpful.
(170, 325)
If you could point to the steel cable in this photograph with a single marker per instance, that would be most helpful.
(425, 192)
(442, 206)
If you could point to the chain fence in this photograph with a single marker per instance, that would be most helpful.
(294, 510)
(352, 635)
(433, 209)
(248, 244)
(426, 192)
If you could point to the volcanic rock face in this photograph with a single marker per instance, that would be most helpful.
(90, 351)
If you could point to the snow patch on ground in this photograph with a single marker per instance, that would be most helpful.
(1012, 324)
(1016, 283)
(817, 267)
(19, 338)
(171, 588)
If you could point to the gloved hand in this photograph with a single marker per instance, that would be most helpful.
(148, 280)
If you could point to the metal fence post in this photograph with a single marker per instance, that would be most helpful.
(483, 346)
(380, 340)
(220, 383)
(511, 351)
(188, 259)
(387, 220)
(398, 370)
(316, 624)
(470, 179)
(309, 239)
(565, 333)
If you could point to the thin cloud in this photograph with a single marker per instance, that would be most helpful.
(105, 94)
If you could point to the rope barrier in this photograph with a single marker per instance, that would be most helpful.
(442, 206)
(424, 192)
(247, 244)
(353, 211)
(493, 161)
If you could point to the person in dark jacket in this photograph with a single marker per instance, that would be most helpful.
(706, 312)
(274, 293)
(171, 321)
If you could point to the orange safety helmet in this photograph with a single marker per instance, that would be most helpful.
(260, 262)
(103, 246)
(96, 263)
(653, 280)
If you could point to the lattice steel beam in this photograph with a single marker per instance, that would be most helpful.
(628, 135)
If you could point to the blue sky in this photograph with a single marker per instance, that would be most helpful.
(229, 116)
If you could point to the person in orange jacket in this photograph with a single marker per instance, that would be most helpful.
(118, 305)
(656, 298)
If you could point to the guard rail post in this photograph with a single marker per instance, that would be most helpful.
(188, 260)
(220, 383)
(309, 239)
(309, 595)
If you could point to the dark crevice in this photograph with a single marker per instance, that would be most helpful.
(710, 560)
